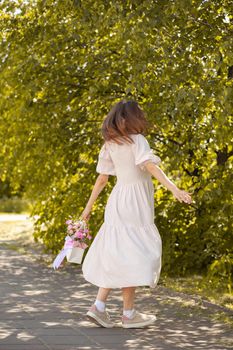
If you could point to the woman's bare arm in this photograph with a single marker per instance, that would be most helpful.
(158, 173)
(99, 185)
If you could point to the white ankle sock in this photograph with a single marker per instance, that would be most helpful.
(128, 313)
(100, 305)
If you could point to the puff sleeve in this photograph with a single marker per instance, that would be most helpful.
(143, 153)
(105, 164)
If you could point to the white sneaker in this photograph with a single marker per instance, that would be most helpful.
(138, 320)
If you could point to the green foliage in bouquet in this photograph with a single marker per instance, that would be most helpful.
(63, 64)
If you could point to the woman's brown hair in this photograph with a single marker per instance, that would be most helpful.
(124, 118)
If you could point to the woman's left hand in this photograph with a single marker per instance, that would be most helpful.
(182, 196)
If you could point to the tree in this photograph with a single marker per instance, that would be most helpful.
(65, 63)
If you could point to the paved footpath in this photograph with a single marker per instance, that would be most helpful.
(43, 309)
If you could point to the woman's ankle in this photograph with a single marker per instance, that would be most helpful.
(128, 313)
(100, 305)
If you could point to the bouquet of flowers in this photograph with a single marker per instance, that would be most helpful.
(76, 241)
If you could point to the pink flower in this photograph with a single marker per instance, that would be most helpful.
(79, 234)
(89, 236)
(70, 228)
(68, 222)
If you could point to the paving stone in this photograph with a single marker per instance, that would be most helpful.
(55, 331)
(66, 340)
(42, 309)
(73, 347)
(25, 347)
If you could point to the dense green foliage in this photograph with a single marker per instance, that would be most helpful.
(63, 64)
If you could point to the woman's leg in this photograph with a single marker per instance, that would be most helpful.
(131, 318)
(128, 294)
(101, 298)
(103, 294)
(97, 311)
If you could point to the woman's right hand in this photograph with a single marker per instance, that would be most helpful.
(86, 213)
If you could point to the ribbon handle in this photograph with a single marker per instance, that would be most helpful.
(59, 258)
(69, 244)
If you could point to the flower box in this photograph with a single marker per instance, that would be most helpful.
(78, 235)
(75, 255)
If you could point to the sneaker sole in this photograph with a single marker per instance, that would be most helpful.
(94, 318)
(138, 324)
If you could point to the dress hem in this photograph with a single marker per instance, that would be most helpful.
(123, 286)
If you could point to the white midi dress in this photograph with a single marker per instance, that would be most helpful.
(127, 249)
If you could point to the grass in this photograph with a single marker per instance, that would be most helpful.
(200, 286)
(14, 205)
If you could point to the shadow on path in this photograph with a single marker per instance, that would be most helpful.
(43, 309)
